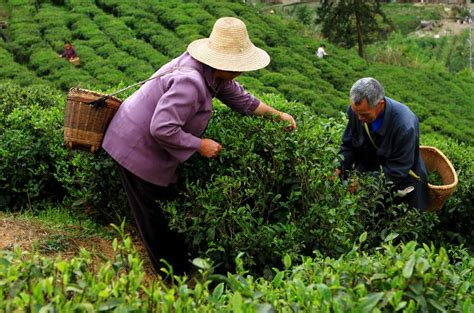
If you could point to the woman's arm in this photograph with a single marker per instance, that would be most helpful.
(264, 109)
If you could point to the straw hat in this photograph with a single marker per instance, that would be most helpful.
(229, 48)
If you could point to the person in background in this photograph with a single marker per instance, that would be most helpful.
(321, 52)
(383, 134)
(69, 52)
(161, 125)
(3, 34)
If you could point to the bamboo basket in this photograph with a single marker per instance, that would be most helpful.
(436, 161)
(75, 61)
(85, 124)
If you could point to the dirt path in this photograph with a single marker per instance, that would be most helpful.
(28, 233)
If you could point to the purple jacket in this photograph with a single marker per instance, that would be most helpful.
(69, 54)
(160, 125)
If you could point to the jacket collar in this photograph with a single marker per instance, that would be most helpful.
(387, 118)
(206, 71)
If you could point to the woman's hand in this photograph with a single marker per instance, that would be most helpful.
(288, 118)
(209, 148)
(269, 112)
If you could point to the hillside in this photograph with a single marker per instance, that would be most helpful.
(122, 41)
(266, 227)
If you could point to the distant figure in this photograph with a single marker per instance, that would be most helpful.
(321, 53)
(69, 51)
(3, 25)
(70, 54)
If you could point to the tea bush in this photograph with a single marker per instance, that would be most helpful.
(457, 225)
(404, 277)
(269, 194)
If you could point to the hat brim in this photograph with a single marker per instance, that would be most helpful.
(251, 60)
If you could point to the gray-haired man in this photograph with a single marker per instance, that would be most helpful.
(383, 133)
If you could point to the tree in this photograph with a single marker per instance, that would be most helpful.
(351, 22)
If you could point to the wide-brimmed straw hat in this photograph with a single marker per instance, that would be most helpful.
(229, 48)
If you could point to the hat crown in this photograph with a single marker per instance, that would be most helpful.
(229, 35)
(229, 48)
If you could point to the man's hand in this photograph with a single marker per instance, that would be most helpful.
(288, 118)
(336, 174)
(354, 186)
(209, 148)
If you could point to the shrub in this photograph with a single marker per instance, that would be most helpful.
(27, 167)
(399, 277)
(268, 194)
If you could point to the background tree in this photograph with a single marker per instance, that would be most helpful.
(351, 22)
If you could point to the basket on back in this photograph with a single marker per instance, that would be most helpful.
(85, 124)
(436, 161)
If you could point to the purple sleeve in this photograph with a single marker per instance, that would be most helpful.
(175, 106)
(234, 96)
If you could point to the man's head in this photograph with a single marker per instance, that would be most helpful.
(367, 99)
(67, 45)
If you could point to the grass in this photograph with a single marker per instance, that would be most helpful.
(76, 223)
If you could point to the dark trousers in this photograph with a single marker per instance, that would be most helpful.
(160, 241)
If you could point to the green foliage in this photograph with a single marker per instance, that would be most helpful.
(351, 23)
(407, 17)
(456, 225)
(35, 165)
(268, 194)
(27, 167)
(411, 51)
(398, 277)
(119, 40)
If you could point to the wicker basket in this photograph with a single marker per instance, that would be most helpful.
(75, 61)
(84, 124)
(436, 161)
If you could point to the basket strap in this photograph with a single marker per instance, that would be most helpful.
(101, 101)
(410, 172)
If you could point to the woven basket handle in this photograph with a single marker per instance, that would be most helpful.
(100, 102)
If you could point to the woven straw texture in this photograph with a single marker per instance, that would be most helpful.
(436, 161)
(75, 61)
(229, 48)
(85, 125)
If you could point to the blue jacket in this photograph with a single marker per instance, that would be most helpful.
(398, 151)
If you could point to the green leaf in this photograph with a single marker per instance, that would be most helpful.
(201, 263)
(265, 308)
(401, 305)
(436, 305)
(218, 291)
(408, 269)
(464, 287)
(287, 261)
(390, 237)
(236, 302)
(110, 304)
(325, 291)
(218, 278)
(278, 279)
(369, 302)
(363, 237)
(467, 306)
